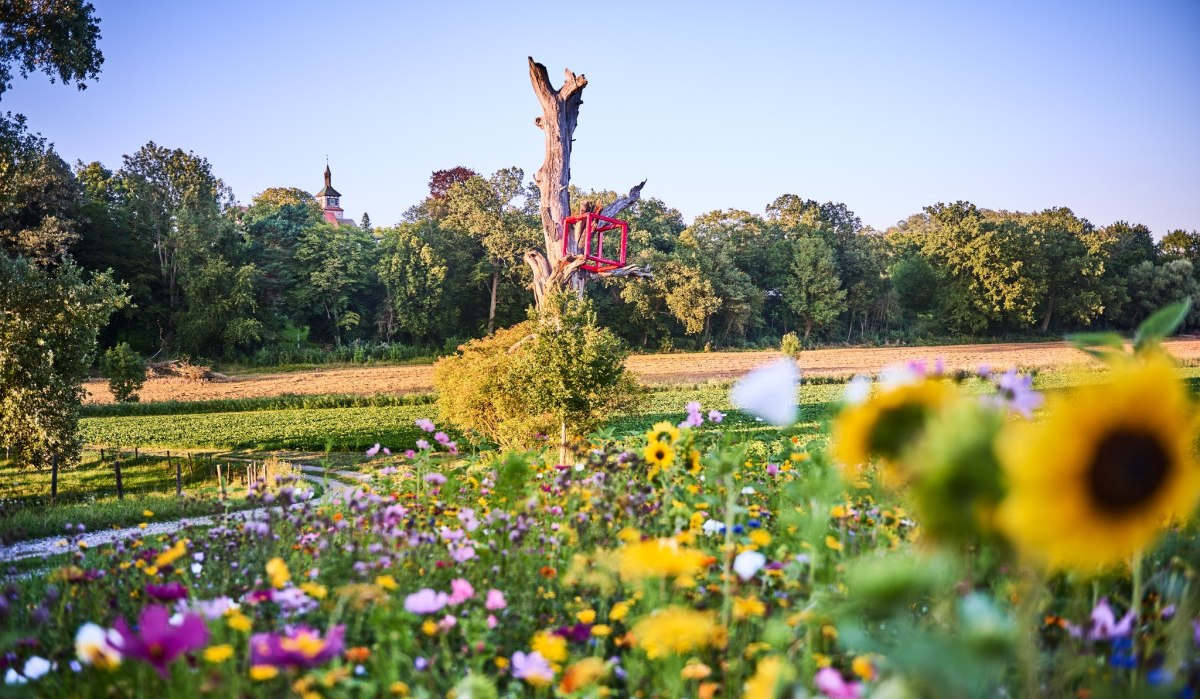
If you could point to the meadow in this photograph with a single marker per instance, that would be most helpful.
(689, 549)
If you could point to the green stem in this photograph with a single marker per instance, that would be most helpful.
(727, 577)
(1135, 606)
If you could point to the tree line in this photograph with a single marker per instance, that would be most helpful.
(208, 278)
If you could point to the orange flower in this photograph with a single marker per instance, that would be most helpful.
(547, 572)
(358, 654)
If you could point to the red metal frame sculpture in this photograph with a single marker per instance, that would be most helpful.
(592, 243)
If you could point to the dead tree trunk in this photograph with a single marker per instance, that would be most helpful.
(555, 270)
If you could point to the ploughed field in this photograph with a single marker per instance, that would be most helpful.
(650, 368)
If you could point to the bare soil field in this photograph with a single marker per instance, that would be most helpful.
(650, 368)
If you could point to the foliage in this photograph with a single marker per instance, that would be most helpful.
(56, 37)
(812, 291)
(38, 195)
(791, 344)
(49, 320)
(125, 371)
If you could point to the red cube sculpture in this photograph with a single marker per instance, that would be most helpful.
(592, 238)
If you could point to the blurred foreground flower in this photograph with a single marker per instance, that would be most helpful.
(769, 392)
(157, 641)
(301, 647)
(1104, 472)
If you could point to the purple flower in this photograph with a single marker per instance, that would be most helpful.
(158, 641)
(422, 444)
(435, 478)
(426, 424)
(532, 668)
(300, 647)
(693, 420)
(1105, 626)
(462, 554)
(426, 601)
(577, 634)
(716, 416)
(373, 450)
(167, 593)
(1015, 391)
(441, 438)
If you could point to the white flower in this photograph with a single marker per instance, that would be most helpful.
(748, 490)
(858, 390)
(94, 645)
(196, 568)
(748, 563)
(769, 392)
(898, 375)
(12, 677)
(37, 666)
(712, 526)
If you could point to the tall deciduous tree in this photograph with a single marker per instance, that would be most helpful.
(414, 274)
(489, 210)
(57, 37)
(812, 290)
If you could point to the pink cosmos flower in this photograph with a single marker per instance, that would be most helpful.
(462, 554)
(830, 683)
(158, 641)
(715, 416)
(435, 478)
(426, 601)
(169, 592)
(495, 600)
(492, 622)
(448, 622)
(441, 438)
(373, 450)
(426, 424)
(422, 444)
(460, 591)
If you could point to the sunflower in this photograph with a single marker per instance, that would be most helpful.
(660, 456)
(1108, 468)
(888, 424)
(663, 432)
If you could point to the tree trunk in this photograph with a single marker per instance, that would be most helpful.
(1049, 313)
(807, 329)
(555, 270)
(492, 305)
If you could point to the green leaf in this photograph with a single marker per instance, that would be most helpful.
(1102, 346)
(1161, 325)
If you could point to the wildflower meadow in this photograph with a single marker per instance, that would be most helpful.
(928, 541)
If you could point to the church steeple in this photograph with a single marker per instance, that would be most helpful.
(329, 198)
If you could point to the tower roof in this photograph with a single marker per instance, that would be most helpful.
(328, 190)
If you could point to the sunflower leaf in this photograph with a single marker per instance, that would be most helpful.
(1161, 325)
(1102, 346)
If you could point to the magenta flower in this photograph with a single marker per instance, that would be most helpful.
(462, 554)
(460, 591)
(830, 683)
(158, 641)
(495, 600)
(167, 593)
(441, 438)
(300, 647)
(373, 450)
(426, 424)
(426, 601)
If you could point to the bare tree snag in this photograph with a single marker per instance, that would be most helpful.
(555, 270)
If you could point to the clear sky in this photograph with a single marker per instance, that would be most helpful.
(886, 106)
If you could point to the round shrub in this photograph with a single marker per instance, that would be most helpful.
(125, 370)
(791, 345)
(519, 385)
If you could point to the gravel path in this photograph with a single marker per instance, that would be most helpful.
(335, 486)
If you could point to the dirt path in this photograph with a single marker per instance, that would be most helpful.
(335, 486)
(650, 368)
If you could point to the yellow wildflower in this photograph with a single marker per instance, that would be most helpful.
(277, 571)
(262, 673)
(552, 646)
(218, 654)
(674, 630)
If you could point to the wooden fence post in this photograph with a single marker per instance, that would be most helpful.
(221, 481)
(120, 486)
(53, 478)
(178, 475)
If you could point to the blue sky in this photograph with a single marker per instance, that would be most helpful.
(886, 106)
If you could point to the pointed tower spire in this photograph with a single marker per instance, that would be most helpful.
(328, 177)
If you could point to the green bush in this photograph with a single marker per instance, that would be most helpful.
(125, 370)
(791, 345)
(519, 385)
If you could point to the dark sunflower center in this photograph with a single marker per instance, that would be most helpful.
(660, 454)
(1127, 469)
(895, 427)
